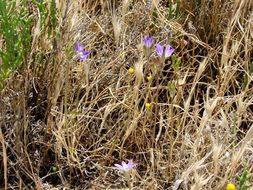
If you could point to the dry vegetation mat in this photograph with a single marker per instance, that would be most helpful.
(131, 94)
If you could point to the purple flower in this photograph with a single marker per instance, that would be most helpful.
(84, 55)
(159, 50)
(167, 53)
(79, 47)
(80, 51)
(148, 41)
(125, 167)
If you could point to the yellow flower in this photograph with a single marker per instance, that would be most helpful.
(131, 70)
(149, 77)
(230, 186)
(147, 105)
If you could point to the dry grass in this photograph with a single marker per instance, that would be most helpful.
(83, 117)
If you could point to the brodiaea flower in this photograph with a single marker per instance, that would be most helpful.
(167, 52)
(80, 51)
(159, 50)
(79, 47)
(148, 41)
(125, 167)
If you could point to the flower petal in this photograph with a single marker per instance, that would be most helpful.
(145, 39)
(159, 50)
(168, 51)
(84, 54)
(131, 164)
(125, 166)
(148, 41)
(79, 47)
(119, 167)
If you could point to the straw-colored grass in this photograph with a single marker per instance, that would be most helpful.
(82, 118)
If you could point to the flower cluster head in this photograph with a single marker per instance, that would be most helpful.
(147, 105)
(149, 77)
(125, 167)
(166, 53)
(148, 41)
(80, 51)
(230, 186)
(131, 70)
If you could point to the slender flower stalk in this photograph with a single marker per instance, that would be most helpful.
(163, 53)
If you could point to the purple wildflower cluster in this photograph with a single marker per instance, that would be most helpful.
(148, 42)
(160, 50)
(80, 52)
